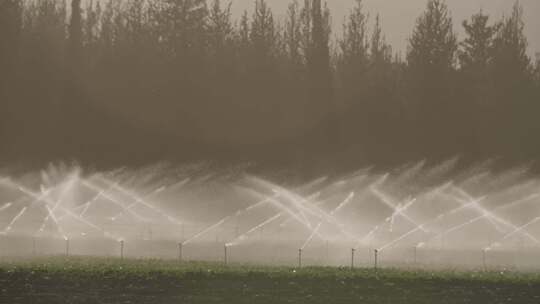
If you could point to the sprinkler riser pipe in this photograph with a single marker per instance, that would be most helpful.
(327, 252)
(180, 253)
(352, 258)
(225, 257)
(484, 264)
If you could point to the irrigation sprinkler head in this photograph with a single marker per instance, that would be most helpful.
(226, 255)
(376, 258)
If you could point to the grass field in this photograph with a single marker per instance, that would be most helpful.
(98, 280)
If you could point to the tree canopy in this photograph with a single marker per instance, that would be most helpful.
(135, 81)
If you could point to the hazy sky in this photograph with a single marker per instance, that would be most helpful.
(398, 16)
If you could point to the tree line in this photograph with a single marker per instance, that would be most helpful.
(134, 81)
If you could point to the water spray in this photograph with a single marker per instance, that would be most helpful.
(493, 218)
(517, 230)
(284, 208)
(440, 217)
(245, 235)
(111, 199)
(206, 230)
(140, 200)
(15, 219)
(290, 219)
(5, 206)
(50, 215)
(315, 231)
(46, 201)
(300, 203)
(398, 210)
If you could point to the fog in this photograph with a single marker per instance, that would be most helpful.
(418, 215)
(314, 149)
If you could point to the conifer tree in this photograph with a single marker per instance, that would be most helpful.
(431, 58)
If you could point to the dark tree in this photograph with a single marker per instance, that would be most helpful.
(433, 44)
(354, 55)
(75, 37)
(476, 51)
(383, 106)
(537, 70)
(511, 71)
(476, 59)
(262, 33)
(136, 81)
(511, 64)
(352, 68)
(320, 75)
(293, 35)
(10, 36)
(431, 61)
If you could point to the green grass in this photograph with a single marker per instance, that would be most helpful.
(99, 280)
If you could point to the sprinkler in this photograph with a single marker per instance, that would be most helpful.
(352, 258)
(67, 246)
(122, 249)
(300, 258)
(180, 257)
(225, 255)
(376, 252)
(484, 264)
(34, 246)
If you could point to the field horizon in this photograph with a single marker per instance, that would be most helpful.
(113, 280)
